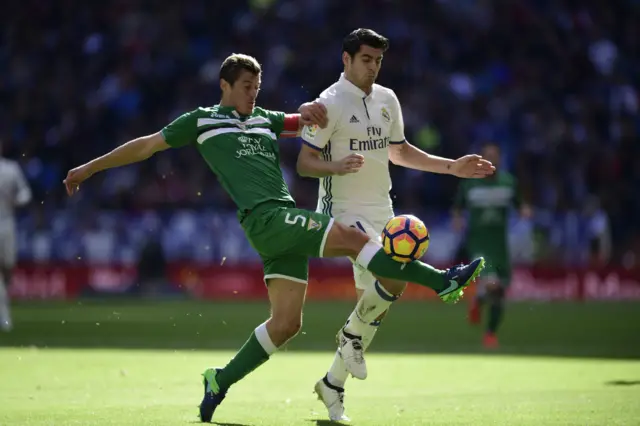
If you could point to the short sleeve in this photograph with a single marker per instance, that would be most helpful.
(276, 119)
(316, 137)
(397, 125)
(182, 131)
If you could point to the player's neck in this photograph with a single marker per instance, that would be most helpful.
(225, 103)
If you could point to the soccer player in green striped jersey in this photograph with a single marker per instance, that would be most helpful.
(489, 202)
(238, 141)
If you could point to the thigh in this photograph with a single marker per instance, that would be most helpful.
(373, 228)
(286, 298)
(290, 267)
(363, 279)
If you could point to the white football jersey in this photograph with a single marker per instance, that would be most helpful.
(14, 191)
(362, 124)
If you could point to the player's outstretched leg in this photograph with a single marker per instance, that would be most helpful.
(287, 300)
(449, 284)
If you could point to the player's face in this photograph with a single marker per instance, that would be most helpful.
(362, 70)
(242, 95)
(492, 153)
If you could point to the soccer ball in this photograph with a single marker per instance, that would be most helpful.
(405, 238)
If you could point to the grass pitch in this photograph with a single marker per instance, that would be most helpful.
(139, 364)
(123, 387)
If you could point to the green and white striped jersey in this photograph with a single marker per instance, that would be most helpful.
(241, 150)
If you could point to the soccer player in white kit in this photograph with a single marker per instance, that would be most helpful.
(351, 156)
(14, 192)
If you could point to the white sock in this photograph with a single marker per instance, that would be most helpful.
(264, 339)
(374, 301)
(338, 374)
(366, 254)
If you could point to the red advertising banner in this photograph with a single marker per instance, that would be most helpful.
(327, 282)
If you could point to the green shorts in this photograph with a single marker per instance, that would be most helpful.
(286, 237)
(498, 264)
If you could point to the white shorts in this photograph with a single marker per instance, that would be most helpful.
(372, 225)
(7, 249)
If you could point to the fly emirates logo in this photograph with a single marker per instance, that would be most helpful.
(375, 141)
(251, 147)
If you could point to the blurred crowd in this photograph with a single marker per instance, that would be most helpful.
(554, 82)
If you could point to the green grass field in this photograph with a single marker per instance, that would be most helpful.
(133, 363)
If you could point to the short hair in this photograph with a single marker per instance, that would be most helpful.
(363, 37)
(233, 66)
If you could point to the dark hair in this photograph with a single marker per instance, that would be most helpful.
(233, 66)
(363, 37)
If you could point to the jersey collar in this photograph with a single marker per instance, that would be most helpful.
(230, 110)
(349, 86)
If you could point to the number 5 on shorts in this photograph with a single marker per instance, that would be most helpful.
(288, 220)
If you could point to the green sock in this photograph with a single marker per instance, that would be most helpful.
(251, 356)
(383, 265)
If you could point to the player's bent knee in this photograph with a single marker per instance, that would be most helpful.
(393, 286)
(282, 329)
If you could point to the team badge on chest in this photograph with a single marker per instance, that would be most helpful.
(385, 115)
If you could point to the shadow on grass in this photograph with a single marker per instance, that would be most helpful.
(623, 383)
(329, 423)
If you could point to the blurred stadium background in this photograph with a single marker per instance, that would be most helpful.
(555, 83)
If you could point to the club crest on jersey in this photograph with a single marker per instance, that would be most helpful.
(385, 114)
(314, 225)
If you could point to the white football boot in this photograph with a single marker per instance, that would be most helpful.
(333, 398)
(351, 351)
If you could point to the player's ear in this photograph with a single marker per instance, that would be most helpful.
(224, 85)
(346, 59)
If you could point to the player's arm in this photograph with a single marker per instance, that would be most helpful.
(315, 139)
(402, 153)
(134, 151)
(470, 166)
(181, 132)
(309, 114)
(407, 155)
(131, 152)
(311, 164)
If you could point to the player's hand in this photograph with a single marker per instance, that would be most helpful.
(472, 167)
(349, 164)
(313, 113)
(75, 177)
